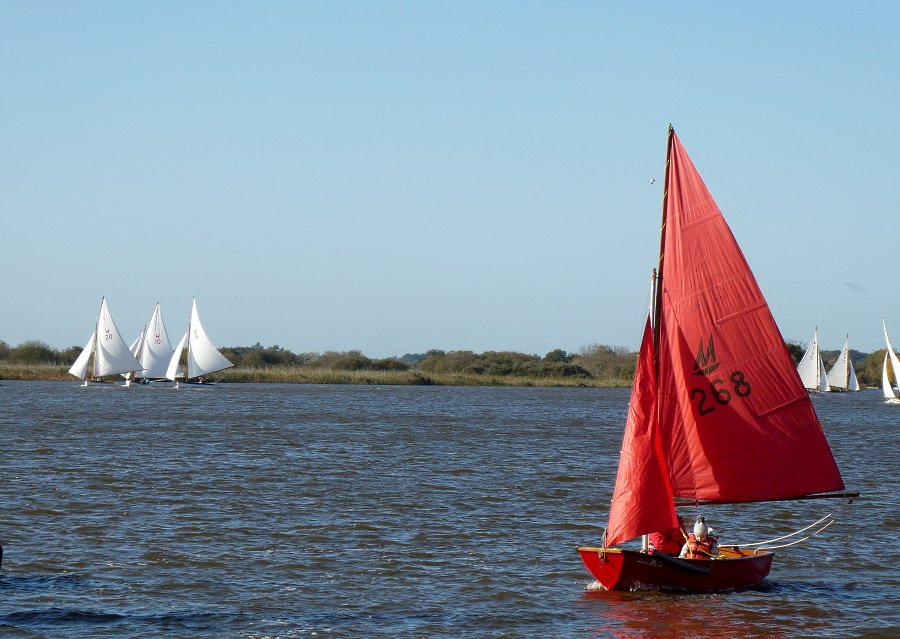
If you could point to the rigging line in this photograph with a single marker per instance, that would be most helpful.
(799, 541)
(796, 532)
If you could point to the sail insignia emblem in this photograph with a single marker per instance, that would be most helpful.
(706, 358)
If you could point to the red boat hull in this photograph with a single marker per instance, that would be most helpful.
(618, 569)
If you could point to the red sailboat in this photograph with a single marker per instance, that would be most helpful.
(717, 414)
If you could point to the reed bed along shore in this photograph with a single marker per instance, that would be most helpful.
(308, 375)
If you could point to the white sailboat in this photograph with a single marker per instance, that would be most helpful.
(812, 369)
(153, 350)
(203, 358)
(111, 355)
(842, 376)
(156, 349)
(890, 394)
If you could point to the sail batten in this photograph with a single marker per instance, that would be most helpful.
(747, 311)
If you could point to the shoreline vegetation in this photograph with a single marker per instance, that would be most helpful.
(594, 366)
(49, 372)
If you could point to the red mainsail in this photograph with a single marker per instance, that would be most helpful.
(721, 415)
(736, 422)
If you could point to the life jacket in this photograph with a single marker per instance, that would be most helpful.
(699, 549)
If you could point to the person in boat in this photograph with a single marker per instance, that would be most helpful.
(700, 544)
(670, 540)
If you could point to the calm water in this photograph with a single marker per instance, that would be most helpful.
(334, 511)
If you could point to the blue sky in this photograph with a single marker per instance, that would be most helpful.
(399, 176)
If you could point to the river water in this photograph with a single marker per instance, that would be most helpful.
(367, 511)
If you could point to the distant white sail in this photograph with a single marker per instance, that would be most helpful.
(156, 350)
(812, 369)
(203, 356)
(80, 367)
(111, 353)
(842, 375)
(886, 381)
(135, 349)
(853, 384)
(895, 363)
(135, 346)
(173, 371)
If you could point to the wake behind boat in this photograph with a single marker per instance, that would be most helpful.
(718, 413)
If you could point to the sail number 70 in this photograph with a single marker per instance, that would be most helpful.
(706, 403)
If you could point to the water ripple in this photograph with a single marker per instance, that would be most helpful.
(301, 511)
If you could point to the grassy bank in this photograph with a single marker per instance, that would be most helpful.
(306, 375)
(35, 372)
(301, 375)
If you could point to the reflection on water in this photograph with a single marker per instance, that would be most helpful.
(645, 615)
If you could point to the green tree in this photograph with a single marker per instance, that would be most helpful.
(33, 352)
(796, 350)
(389, 364)
(557, 355)
(437, 361)
(868, 371)
(606, 362)
(68, 355)
(348, 361)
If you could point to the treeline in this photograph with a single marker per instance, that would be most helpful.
(36, 353)
(866, 365)
(596, 362)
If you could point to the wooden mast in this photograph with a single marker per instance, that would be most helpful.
(658, 275)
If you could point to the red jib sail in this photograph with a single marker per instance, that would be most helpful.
(731, 419)
(642, 500)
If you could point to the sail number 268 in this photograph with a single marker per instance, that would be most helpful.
(719, 393)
